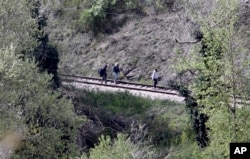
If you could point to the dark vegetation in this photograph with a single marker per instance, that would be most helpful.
(63, 122)
(198, 119)
(46, 56)
(111, 113)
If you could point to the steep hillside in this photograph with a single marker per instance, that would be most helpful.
(139, 41)
(79, 36)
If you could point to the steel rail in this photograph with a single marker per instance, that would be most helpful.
(119, 81)
(122, 85)
(75, 78)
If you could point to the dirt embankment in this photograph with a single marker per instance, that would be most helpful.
(140, 43)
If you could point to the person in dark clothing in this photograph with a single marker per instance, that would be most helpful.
(104, 74)
(116, 71)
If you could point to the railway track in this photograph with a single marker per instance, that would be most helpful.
(143, 90)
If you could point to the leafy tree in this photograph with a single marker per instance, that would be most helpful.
(96, 17)
(120, 148)
(220, 72)
(23, 26)
(17, 26)
(45, 119)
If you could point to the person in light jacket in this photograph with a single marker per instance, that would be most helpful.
(155, 77)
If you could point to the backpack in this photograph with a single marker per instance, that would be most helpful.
(116, 69)
(100, 72)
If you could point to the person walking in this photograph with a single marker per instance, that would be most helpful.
(155, 77)
(116, 71)
(103, 74)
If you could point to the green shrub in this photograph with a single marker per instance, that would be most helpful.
(95, 17)
(120, 148)
(44, 118)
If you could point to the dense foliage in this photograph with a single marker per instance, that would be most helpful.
(98, 13)
(39, 122)
(45, 120)
(219, 80)
(97, 16)
(121, 147)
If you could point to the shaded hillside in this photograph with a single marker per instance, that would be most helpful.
(79, 36)
(139, 41)
(144, 42)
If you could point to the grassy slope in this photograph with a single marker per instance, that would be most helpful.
(167, 121)
(144, 42)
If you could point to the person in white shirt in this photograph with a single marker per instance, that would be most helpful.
(155, 77)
